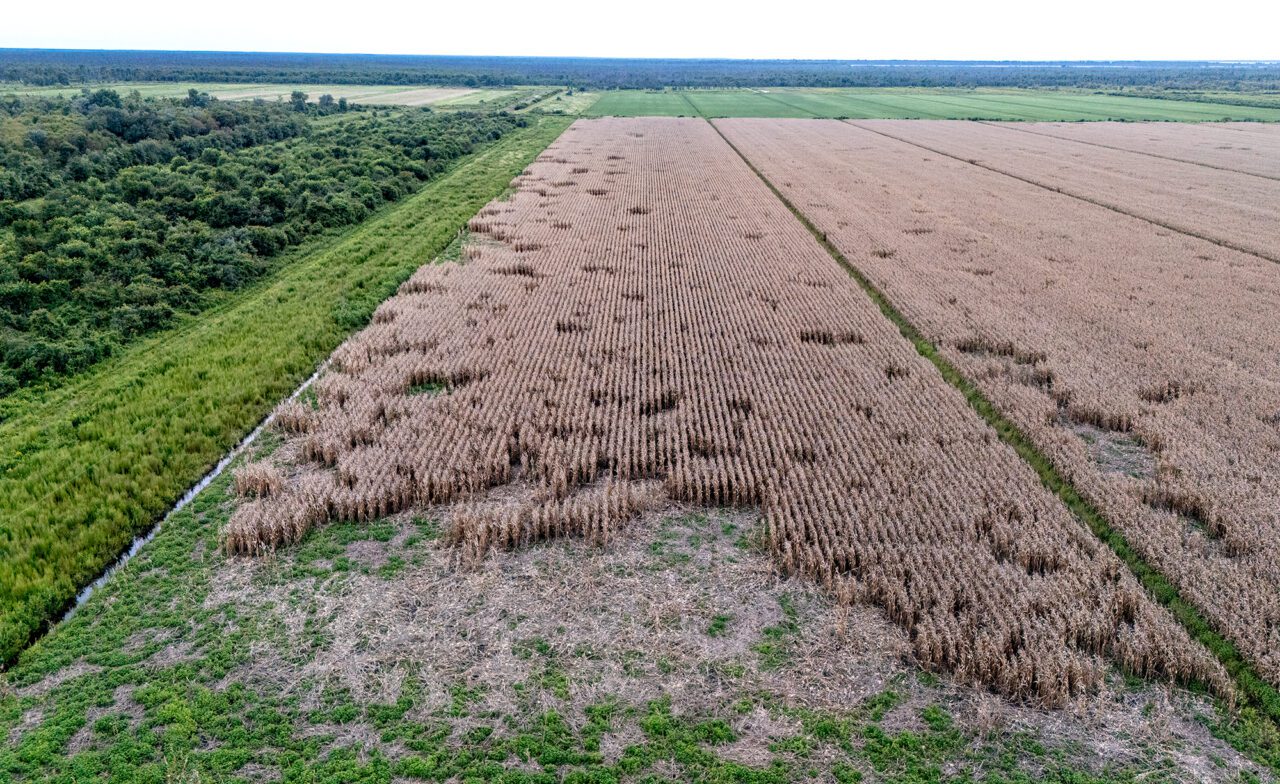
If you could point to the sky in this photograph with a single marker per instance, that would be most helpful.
(923, 29)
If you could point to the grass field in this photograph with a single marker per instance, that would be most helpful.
(401, 95)
(86, 467)
(563, 103)
(904, 103)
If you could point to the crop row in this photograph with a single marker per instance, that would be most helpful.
(643, 312)
(1141, 362)
(1229, 208)
(1248, 148)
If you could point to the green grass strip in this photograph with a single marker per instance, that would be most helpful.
(86, 467)
(1259, 693)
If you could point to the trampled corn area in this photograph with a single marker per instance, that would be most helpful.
(1141, 362)
(644, 318)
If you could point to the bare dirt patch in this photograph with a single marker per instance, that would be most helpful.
(56, 679)
(1114, 452)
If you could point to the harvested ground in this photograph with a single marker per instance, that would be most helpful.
(644, 320)
(676, 651)
(1238, 210)
(684, 611)
(1067, 314)
(416, 97)
(378, 95)
(1252, 148)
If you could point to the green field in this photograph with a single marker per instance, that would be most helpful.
(577, 103)
(905, 103)
(888, 103)
(85, 467)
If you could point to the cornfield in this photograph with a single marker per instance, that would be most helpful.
(1227, 205)
(1250, 148)
(1140, 361)
(643, 312)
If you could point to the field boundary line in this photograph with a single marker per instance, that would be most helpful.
(1088, 200)
(773, 97)
(1125, 149)
(498, 153)
(684, 96)
(81, 386)
(1259, 693)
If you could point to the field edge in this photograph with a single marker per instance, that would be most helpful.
(140, 476)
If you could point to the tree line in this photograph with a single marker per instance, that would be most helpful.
(118, 213)
(71, 67)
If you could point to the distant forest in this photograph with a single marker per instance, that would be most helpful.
(75, 67)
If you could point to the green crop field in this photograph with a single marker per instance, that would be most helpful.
(910, 103)
(86, 466)
(642, 103)
(888, 103)
(752, 103)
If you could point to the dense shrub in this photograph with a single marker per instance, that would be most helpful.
(116, 215)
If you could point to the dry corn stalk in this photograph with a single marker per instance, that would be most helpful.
(1140, 361)
(709, 343)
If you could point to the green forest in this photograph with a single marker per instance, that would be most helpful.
(118, 214)
(86, 66)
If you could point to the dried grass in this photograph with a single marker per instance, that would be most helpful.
(258, 480)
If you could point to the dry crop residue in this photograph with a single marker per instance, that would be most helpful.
(1238, 210)
(1252, 148)
(643, 311)
(1099, 335)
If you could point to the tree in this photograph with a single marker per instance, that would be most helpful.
(196, 98)
(299, 100)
